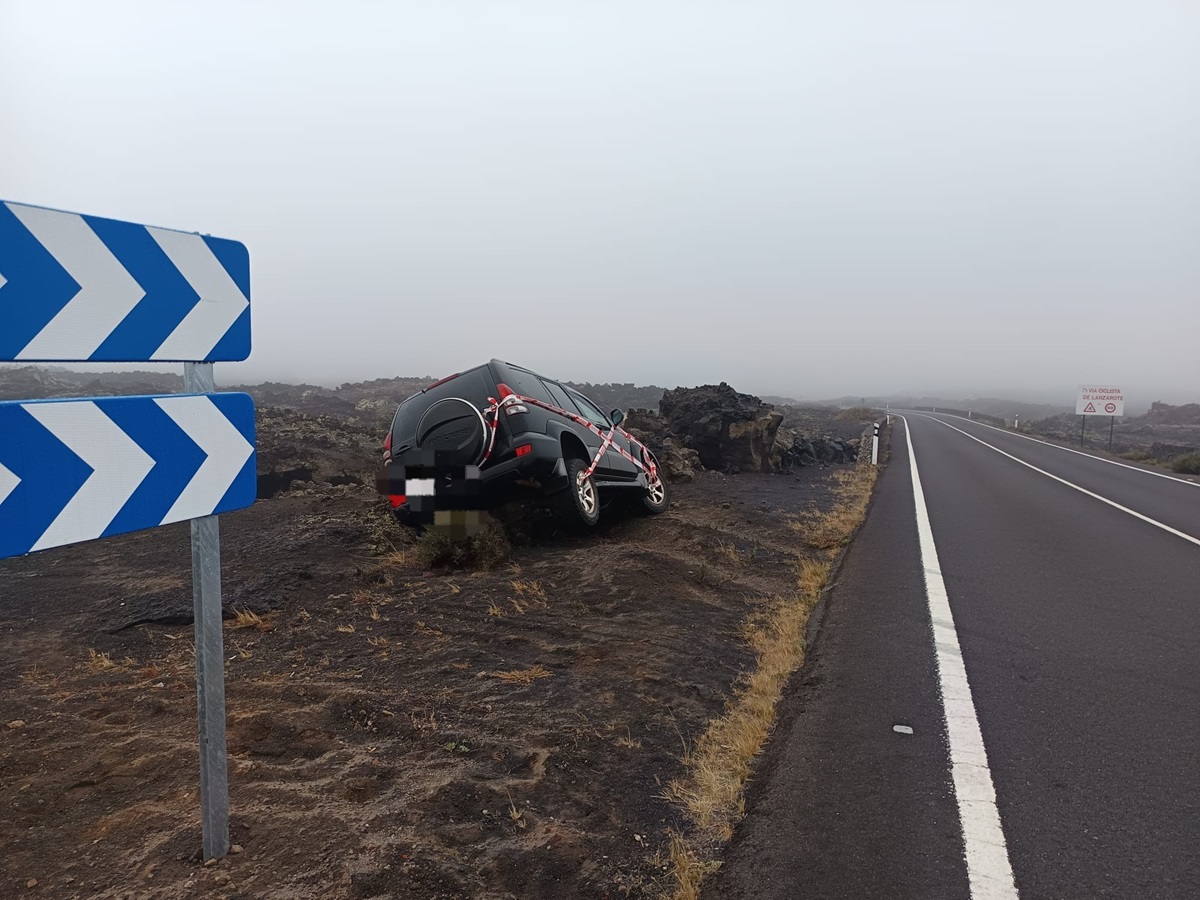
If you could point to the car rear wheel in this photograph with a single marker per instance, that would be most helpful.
(581, 502)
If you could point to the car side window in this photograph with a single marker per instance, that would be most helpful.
(560, 397)
(590, 412)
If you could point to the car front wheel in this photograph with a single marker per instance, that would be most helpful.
(657, 498)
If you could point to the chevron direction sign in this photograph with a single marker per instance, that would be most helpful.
(79, 288)
(75, 470)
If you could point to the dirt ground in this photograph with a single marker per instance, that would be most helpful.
(392, 732)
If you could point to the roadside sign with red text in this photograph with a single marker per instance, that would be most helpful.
(1098, 400)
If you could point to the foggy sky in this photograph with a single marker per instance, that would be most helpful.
(808, 199)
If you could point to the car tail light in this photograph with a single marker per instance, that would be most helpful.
(397, 500)
(516, 408)
(387, 448)
(505, 390)
(524, 449)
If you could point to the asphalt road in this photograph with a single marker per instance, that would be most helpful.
(1079, 629)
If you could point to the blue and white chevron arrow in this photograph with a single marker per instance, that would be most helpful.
(80, 288)
(75, 470)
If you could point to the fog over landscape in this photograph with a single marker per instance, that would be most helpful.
(804, 200)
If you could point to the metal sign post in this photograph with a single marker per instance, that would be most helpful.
(210, 659)
(1099, 400)
(85, 289)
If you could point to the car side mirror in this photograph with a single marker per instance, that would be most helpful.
(617, 416)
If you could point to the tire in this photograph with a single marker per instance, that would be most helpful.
(657, 498)
(580, 505)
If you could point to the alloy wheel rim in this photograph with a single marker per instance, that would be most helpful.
(587, 495)
(657, 491)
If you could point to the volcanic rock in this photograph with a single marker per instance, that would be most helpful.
(295, 449)
(679, 463)
(1163, 451)
(1165, 414)
(731, 432)
(792, 451)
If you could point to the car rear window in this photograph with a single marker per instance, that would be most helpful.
(527, 385)
(474, 385)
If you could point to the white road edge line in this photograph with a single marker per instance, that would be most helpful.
(1115, 505)
(989, 873)
(1111, 462)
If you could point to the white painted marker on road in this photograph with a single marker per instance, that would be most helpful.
(989, 873)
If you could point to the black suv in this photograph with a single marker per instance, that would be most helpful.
(479, 438)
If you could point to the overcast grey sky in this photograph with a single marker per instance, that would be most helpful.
(810, 199)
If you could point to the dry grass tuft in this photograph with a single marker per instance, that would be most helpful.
(814, 574)
(529, 590)
(628, 741)
(244, 618)
(100, 662)
(436, 634)
(689, 871)
(516, 815)
(523, 676)
(1186, 464)
(489, 549)
(402, 558)
(717, 767)
(720, 762)
(731, 553)
(834, 528)
(365, 598)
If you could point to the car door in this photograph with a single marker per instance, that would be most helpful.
(617, 466)
(627, 468)
(591, 440)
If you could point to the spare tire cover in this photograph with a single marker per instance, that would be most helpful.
(455, 430)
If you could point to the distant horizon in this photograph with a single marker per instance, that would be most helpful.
(228, 374)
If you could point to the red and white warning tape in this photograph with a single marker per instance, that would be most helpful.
(491, 416)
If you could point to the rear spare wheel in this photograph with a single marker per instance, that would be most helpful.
(453, 427)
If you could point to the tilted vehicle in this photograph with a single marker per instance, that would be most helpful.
(477, 439)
